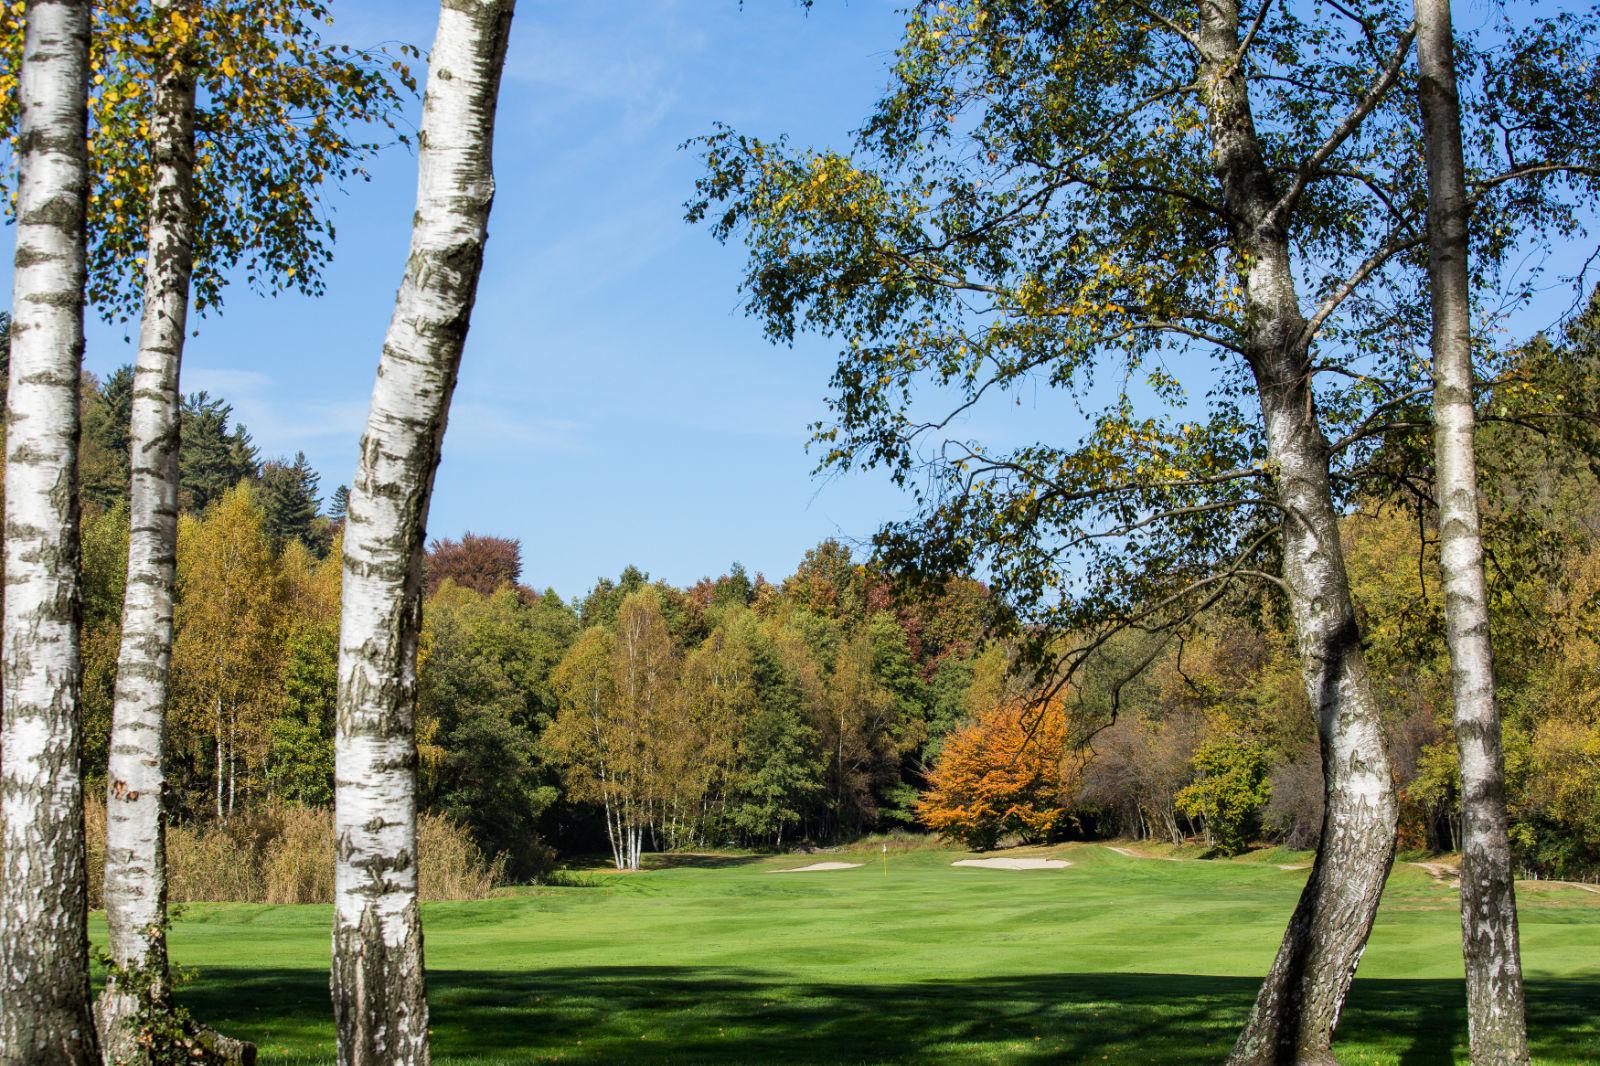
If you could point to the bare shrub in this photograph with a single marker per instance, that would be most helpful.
(1294, 813)
(449, 864)
(284, 854)
(298, 867)
(1134, 770)
(94, 839)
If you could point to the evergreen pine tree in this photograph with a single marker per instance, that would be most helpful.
(215, 457)
(104, 453)
(339, 504)
(290, 501)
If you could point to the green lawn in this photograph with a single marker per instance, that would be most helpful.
(720, 960)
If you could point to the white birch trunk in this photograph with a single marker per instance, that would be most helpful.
(614, 835)
(45, 1015)
(136, 874)
(1298, 1007)
(380, 1004)
(218, 706)
(1489, 937)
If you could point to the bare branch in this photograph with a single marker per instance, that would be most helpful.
(1249, 38)
(1350, 123)
(1398, 241)
(1157, 17)
(1487, 185)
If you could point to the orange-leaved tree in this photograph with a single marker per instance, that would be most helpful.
(1002, 774)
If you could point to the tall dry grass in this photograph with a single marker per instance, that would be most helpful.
(284, 854)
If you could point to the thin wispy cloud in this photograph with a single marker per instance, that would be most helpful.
(478, 428)
(280, 417)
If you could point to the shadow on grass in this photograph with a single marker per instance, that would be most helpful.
(684, 1015)
(662, 860)
(698, 860)
(569, 879)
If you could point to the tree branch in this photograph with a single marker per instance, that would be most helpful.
(1162, 20)
(1398, 241)
(1349, 125)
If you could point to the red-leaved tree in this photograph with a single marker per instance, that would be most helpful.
(483, 564)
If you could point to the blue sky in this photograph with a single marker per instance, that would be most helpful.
(614, 405)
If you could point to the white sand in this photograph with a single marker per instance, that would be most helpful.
(818, 867)
(1014, 864)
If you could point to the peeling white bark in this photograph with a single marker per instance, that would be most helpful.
(1298, 1007)
(45, 1016)
(136, 875)
(1496, 1023)
(380, 1003)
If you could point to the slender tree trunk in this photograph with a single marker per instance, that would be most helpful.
(45, 1015)
(380, 1005)
(1298, 1006)
(136, 873)
(1495, 1018)
(218, 703)
(613, 825)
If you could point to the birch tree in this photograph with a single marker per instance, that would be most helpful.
(224, 693)
(1049, 190)
(135, 864)
(1139, 202)
(44, 946)
(279, 123)
(233, 187)
(1299, 1003)
(617, 734)
(645, 671)
(597, 743)
(1489, 937)
(380, 1005)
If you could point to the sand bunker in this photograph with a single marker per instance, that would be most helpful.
(818, 867)
(1014, 864)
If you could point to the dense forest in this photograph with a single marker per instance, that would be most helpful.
(811, 709)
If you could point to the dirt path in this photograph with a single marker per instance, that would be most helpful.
(1439, 871)
(1131, 854)
(1442, 872)
(1447, 874)
(819, 867)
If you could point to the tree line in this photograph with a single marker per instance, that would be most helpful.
(733, 712)
(1213, 740)
(810, 710)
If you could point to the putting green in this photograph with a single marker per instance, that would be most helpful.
(710, 959)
